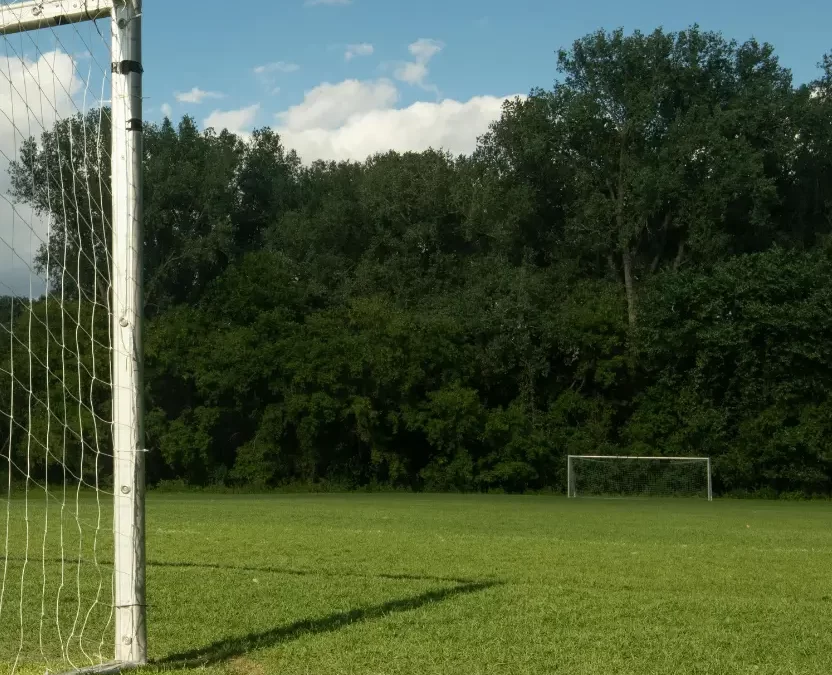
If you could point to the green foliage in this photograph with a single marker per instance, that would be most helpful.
(636, 261)
(54, 396)
(741, 362)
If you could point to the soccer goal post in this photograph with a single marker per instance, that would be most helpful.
(72, 572)
(621, 476)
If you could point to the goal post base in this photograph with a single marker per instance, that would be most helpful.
(109, 668)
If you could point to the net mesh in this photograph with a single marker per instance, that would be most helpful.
(637, 477)
(56, 581)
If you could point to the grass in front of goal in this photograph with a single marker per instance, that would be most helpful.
(418, 584)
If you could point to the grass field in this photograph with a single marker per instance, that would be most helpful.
(417, 584)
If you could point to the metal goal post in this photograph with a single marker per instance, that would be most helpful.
(126, 301)
(572, 460)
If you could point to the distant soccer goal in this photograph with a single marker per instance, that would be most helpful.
(71, 443)
(619, 476)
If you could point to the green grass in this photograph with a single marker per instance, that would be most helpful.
(420, 584)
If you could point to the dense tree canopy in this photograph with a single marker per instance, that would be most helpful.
(636, 261)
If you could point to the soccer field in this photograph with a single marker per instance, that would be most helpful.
(416, 584)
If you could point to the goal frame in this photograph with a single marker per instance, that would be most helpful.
(571, 489)
(126, 278)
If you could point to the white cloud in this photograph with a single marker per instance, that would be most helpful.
(416, 72)
(276, 67)
(361, 49)
(354, 119)
(167, 111)
(424, 49)
(329, 105)
(196, 95)
(40, 92)
(238, 121)
(267, 73)
(412, 73)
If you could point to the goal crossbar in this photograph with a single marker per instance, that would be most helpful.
(35, 14)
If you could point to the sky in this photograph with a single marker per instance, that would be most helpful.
(342, 79)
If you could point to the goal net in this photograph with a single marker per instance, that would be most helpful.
(60, 376)
(614, 476)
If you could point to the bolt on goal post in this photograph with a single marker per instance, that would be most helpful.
(630, 476)
(126, 298)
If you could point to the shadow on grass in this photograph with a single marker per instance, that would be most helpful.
(230, 648)
(319, 573)
(266, 569)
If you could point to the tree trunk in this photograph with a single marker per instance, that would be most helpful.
(680, 254)
(626, 258)
(627, 263)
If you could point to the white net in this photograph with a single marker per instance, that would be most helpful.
(638, 477)
(56, 571)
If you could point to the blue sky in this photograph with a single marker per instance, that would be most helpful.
(488, 47)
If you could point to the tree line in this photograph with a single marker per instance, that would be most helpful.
(635, 261)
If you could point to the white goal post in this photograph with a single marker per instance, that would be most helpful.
(632, 476)
(124, 298)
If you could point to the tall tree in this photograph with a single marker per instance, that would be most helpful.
(807, 179)
(65, 176)
(662, 141)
